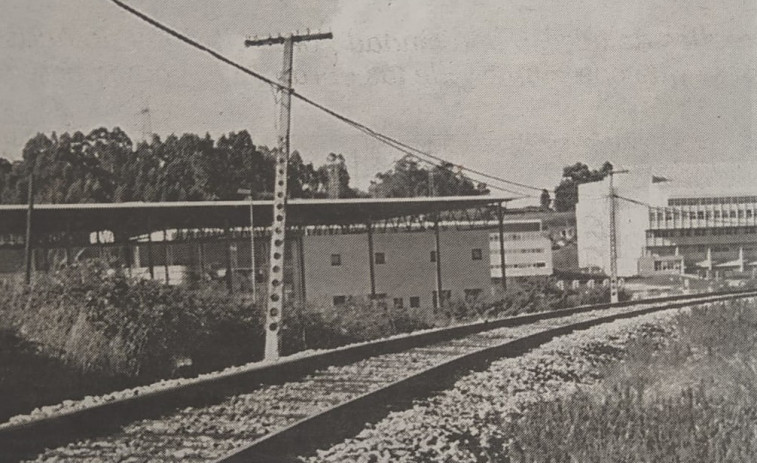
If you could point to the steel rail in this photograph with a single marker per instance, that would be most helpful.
(347, 419)
(29, 438)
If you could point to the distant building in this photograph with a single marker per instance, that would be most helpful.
(336, 266)
(325, 264)
(665, 227)
(528, 250)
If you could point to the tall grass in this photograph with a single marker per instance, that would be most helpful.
(695, 400)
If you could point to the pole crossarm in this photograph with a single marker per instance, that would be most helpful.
(280, 39)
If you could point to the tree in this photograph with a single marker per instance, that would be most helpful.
(105, 166)
(545, 200)
(566, 193)
(407, 179)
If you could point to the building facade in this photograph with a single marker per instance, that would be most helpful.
(528, 250)
(337, 267)
(663, 228)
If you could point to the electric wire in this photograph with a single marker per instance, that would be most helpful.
(389, 141)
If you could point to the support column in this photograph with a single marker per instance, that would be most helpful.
(150, 262)
(201, 260)
(45, 264)
(301, 252)
(28, 249)
(229, 277)
(709, 263)
(128, 256)
(709, 259)
(741, 259)
(501, 229)
(437, 244)
(69, 253)
(165, 255)
(371, 261)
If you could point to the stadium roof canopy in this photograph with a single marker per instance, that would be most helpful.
(139, 217)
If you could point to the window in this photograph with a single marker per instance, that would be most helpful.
(380, 258)
(336, 260)
(399, 303)
(476, 254)
(433, 256)
(340, 300)
(415, 302)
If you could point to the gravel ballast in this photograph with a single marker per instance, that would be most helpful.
(207, 433)
(464, 423)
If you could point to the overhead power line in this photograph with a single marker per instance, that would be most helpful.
(389, 141)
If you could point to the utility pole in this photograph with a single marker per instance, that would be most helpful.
(28, 244)
(613, 241)
(278, 227)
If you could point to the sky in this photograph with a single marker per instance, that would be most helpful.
(516, 88)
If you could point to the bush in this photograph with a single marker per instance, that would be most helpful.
(527, 295)
(358, 321)
(101, 320)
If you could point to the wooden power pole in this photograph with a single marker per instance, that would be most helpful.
(275, 303)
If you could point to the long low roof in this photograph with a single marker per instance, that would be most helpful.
(139, 217)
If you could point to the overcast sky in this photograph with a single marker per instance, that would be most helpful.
(517, 88)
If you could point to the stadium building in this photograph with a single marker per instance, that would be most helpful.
(337, 250)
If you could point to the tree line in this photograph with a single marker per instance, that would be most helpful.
(107, 166)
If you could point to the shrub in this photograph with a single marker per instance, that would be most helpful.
(357, 321)
(101, 320)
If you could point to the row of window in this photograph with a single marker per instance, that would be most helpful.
(701, 232)
(669, 250)
(515, 236)
(379, 258)
(708, 201)
(700, 215)
(495, 252)
(523, 265)
(414, 301)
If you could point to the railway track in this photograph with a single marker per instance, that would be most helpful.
(269, 412)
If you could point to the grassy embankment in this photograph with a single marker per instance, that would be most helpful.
(694, 400)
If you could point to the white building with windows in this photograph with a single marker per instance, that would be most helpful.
(681, 222)
(528, 250)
